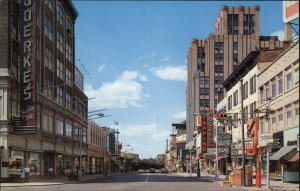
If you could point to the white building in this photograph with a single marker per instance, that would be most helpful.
(244, 78)
(280, 82)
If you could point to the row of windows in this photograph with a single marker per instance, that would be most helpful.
(63, 97)
(245, 90)
(96, 136)
(287, 117)
(48, 30)
(60, 127)
(279, 83)
(60, 15)
(205, 91)
(233, 24)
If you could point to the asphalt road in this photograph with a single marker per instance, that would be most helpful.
(133, 182)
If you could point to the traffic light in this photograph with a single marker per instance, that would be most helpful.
(221, 116)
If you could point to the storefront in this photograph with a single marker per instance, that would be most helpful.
(24, 159)
(34, 163)
(65, 164)
(16, 162)
(94, 164)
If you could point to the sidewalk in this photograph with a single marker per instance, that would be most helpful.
(204, 176)
(274, 185)
(55, 181)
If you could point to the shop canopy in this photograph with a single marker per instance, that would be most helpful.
(295, 158)
(282, 151)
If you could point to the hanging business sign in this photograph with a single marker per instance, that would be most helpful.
(224, 139)
(265, 139)
(210, 130)
(248, 143)
(198, 120)
(204, 134)
(222, 151)
(28, 64)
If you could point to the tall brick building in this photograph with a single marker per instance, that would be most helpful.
(210, 61)
(43, 107)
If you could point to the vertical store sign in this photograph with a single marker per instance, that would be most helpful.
(28, 63)
(210, 130)
(204, 134)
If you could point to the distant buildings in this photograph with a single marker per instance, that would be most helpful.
(176, 157)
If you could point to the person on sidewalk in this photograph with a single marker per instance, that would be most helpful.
(50, 173)
(27, 170)
(23, 176)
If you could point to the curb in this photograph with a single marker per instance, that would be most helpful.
(26, 184)
(51, 184)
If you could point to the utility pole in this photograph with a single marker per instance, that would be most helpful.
(268, 148)
(243, 134)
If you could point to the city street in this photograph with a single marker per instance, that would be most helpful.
(133, 182)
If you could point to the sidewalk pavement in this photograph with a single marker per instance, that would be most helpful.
(55, 181)
(274, 185)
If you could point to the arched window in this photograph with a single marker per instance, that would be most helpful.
(60, 13)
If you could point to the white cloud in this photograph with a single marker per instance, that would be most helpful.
(164, 59)
(101, 67)
(150, 130)
(124, 92)
(176, 73)
(180, 115)
(279, 33)
(145, 56)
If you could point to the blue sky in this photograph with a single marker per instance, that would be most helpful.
(134, 54)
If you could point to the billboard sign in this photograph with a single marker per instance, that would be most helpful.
(28, 52)
(290, 10)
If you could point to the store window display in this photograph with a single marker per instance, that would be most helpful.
(33, 163)
(16, 162)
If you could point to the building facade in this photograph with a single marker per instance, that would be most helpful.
(96, 147)
(211, 60)
(43, 120)
(279, 83)
(241, 89)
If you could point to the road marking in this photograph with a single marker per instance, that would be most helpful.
(147, 178)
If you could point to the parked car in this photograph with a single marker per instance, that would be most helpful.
(164, 170)
(141, 170)
(152, 170)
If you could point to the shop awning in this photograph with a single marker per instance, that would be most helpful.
(295, 158)
(282, 151)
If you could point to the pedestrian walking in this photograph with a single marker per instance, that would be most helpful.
(50, 172)
(27, 171)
